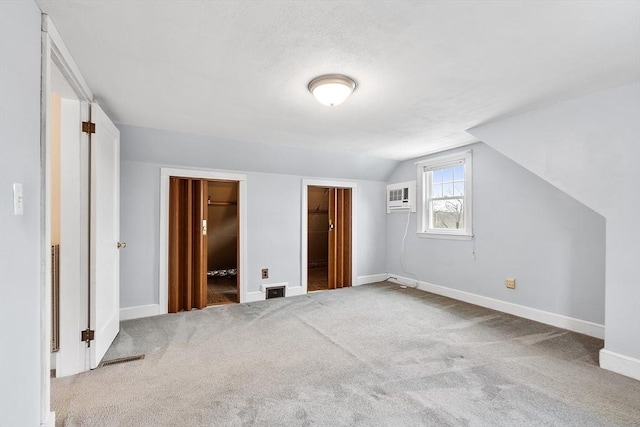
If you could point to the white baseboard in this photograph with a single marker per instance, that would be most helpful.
(264, 286)
(139, 311)
(50, 421)
(294, 291)
(576, 325)
(620, 364)
(291, 291)
(254, 297)
(365, 280)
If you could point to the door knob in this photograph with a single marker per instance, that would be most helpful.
(122, 245)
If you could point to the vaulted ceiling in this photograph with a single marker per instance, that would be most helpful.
(426, 71)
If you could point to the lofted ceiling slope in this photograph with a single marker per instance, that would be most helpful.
(426, 70)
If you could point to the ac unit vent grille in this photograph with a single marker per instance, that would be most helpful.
(397, 194)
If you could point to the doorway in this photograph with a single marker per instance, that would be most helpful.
(80, 186)
(203, 244)
(222, 242)
(329, 238)
(318, 239)
(68, 225)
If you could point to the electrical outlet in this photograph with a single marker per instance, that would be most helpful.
(510, 282)
(265, 273)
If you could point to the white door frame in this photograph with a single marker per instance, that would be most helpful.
(163, 273)
(54, 53)
(306, 183)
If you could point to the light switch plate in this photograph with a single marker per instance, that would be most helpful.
(18, 199)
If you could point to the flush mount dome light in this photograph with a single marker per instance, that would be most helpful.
(332, 89)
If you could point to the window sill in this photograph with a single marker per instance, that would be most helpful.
(446, 236)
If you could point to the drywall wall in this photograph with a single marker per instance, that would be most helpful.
(590, 148)
(20, 318)
(524, 228)
(158, 146)
(273, 207)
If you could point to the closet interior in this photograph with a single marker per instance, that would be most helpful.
(222, 242)
(318, 239)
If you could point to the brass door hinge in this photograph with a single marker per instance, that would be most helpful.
(88, 127)
(87, 335)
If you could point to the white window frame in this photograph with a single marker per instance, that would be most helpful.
(424, 188)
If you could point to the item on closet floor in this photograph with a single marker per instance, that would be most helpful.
(222, 273)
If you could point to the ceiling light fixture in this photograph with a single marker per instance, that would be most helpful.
(332, 89)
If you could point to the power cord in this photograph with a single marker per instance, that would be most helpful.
(402, 255)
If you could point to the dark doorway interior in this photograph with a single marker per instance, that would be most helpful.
(222, 242)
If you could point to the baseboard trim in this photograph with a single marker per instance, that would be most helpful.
(50, 421)
(576, 325)
(264, 286)
(295, 291)
(254, 297)
(365, 280)
(291, 291)
(620, 364)
(139, 311)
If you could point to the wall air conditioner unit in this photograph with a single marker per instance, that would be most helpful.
(401, 197)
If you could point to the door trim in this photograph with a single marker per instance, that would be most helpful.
(306, 183)
(163, 273)
(54, 53)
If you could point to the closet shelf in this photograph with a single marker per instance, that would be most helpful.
(210, 203)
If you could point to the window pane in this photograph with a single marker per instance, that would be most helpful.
(447, 174)
(437, 190)
(458, 189)
(458, 172)
(447, 214)
(447, 189)
(437, 176)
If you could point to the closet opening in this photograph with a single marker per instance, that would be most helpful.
(222, 242)
(329, 226)
(318, 239)
(203, 243)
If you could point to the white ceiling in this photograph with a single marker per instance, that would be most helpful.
(426, 71)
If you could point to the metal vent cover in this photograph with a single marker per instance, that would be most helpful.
(275, 292)
(121, 360)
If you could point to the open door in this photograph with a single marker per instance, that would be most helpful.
(104, 289)
(339, 238)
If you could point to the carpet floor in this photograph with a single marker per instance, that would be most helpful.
(373, 355)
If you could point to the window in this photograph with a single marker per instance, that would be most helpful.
(446, 196)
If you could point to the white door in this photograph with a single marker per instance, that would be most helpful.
(105, 230)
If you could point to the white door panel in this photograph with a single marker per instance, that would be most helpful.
(105, 228)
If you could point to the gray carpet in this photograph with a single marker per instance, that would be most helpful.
(373, 355)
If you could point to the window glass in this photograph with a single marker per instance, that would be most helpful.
(437, 190)
(437, 176)
(447, 174)
(447, 214)
(446, 204)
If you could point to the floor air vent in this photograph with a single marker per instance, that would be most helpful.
(275, 292)
(121, 360)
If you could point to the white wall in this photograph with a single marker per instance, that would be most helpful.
(274, 189)
(157, 146)
(20, 303)
(590, 149)
(524, 228)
